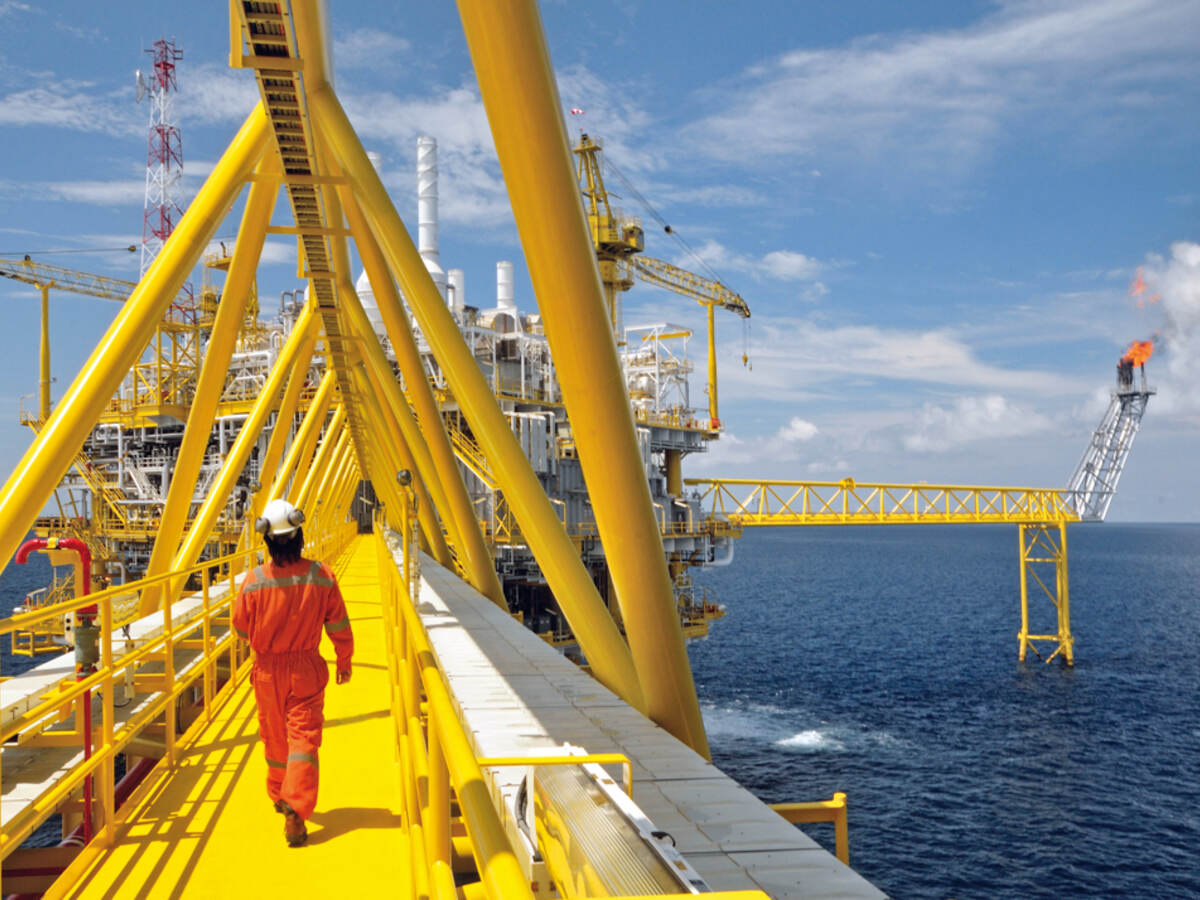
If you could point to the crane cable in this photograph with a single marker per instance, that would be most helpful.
(687, 248)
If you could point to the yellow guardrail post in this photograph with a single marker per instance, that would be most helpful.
(833, 810)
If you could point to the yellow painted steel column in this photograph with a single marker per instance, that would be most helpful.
(334, 439)
(1023, 635)
(54, 448)
(598, 636)
(44, 360)
(714, 420)
(517, 84)
(283, 424)
(211, 383)
(310, 430)
(389, 440)
(235, 461)
(1066, 643)
(481, 568)
(395, 407)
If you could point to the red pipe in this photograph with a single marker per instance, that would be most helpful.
(85, 705)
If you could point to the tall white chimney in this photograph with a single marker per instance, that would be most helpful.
(427, 210)
(456, 296)
(504, 285)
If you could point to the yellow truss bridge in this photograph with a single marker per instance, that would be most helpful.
(1041, 514)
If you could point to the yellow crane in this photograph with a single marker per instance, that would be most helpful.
(44, 276)
(619, 243)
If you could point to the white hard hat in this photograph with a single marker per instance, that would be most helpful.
(279, 518)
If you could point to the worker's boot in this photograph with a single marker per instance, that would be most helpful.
(293, 827)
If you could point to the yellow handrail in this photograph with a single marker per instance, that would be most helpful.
(28, 727)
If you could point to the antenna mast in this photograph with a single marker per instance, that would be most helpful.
(164, 156)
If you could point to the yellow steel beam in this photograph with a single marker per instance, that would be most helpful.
(211, 383)
(332, 439)
(517, 84)
(753, 502)
(305, 442)
(53, 450)
(481, 570)
(239, 453)
(601, 641)
(283, 424)
(394, 455)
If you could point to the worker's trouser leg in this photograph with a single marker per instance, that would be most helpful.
(290, 690)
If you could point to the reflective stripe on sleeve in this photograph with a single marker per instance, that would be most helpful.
(276, 764)
(241, 634)
(335, 627)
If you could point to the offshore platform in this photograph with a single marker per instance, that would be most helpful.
(502, 495)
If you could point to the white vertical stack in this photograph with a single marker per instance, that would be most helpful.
(505, 298)
(427, 210)
(456, 294)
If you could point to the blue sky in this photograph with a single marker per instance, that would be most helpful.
(934, 210)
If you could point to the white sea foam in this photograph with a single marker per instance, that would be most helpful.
(811, 739)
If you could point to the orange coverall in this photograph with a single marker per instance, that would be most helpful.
(280, 611)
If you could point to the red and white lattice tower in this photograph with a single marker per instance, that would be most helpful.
(164, 158)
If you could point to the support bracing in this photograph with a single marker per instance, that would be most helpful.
(1044, 562)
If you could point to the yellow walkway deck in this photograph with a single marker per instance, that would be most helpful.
(209, 831)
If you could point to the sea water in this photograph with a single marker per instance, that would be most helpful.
(882, 662)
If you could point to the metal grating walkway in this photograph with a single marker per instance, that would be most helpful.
(209, 830)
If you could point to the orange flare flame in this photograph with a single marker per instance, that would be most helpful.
(1138, 353)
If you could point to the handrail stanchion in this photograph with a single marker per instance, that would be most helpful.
(108, 725)
(169, 727)
(206, 634)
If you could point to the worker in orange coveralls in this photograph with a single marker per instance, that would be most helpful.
(280, 610)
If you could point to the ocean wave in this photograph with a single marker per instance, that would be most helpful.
(811, 739)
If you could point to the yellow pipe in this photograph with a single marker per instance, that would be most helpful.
(395, 407)
(235, 461)
(211, 383)
(314, 492)
(44, 366)
(53, 450)
(481, 570)
(283, 423)
(516, 81)
(310, 428)
(598, 636)
(714, 422)
(391, 441)
(334, 435)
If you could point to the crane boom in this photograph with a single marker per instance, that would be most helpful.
(41, 274)
(702, 290)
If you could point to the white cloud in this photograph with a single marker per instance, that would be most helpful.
(798, 430)
(1176, 279)
(68, 105)
(942, 98)
(779, 265)
(213, 94)
(788, 265)
(970, 419)
(122, 192)
(793, 357)
(366, 48)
